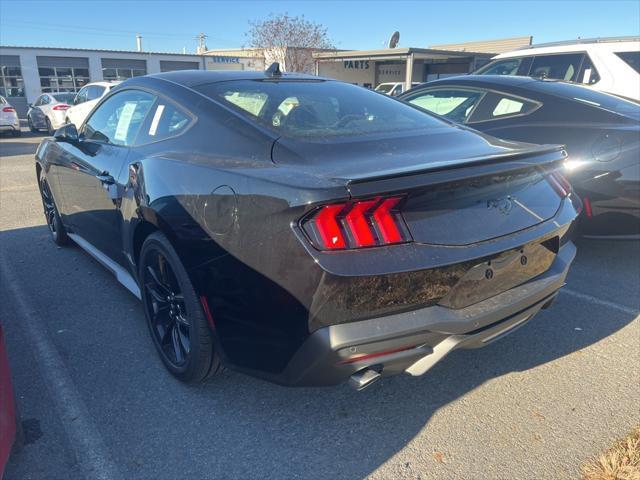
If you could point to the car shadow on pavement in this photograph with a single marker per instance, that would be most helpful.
(235, 426)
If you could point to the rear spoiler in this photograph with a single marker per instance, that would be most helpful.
(544, 156)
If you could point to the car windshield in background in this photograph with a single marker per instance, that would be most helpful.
(64, 97)
(315, 109)
(385, 88)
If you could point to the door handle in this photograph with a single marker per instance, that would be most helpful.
(106, 179)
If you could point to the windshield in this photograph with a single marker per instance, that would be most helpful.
(317, 108)
(64, 97)
(385, 87)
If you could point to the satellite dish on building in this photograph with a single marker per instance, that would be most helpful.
(395, 38)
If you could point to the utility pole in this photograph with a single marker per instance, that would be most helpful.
(202, 47)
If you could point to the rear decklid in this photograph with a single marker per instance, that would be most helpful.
(459, 187)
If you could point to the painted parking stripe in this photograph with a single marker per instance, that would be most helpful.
(600, 301)
(84, 438)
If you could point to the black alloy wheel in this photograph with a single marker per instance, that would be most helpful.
(58, 232)
(175, 318)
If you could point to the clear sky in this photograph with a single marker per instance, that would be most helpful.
(171, 25)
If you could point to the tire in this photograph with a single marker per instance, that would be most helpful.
(51, 215)
(16, 133)
(174, 315)
(50, 129)
(32, 129)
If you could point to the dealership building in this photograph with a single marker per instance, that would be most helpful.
(27, 72)
(370, 68)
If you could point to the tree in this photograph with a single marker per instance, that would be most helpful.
(289, 41)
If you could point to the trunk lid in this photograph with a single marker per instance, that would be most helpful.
(460, 187)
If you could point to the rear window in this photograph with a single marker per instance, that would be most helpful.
(588, 96)
(317, 108)
(64, 97)
(631, 58)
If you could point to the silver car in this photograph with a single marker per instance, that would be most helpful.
(8, 118)
(49, 111)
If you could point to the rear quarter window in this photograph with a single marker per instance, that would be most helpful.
(498, 106)
(630, 58)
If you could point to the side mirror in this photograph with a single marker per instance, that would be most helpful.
(67, 133)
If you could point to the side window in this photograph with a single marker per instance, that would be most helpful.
(82, 96)
(118, 120)
(630, 58)
(557, 67)
(509, 66)
(588, 73)
(454, 104)
(45, 100)
(94, 92)
(165, 120)
(496, 106)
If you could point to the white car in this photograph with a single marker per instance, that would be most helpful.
(610, 65)
(9, 121)
(86, 99)
(49, 111)
(393, 88)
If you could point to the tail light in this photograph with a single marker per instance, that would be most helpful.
(559, 183)
(357, 224)
(8, 109)
(62, 106)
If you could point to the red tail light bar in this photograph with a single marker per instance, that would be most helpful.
(62, 106)
(357, 224)
(559, 183)
(8, 109)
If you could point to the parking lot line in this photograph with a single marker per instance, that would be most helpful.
(600, 301)
(84, 439)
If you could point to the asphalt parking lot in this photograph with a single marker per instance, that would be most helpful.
(97, 403)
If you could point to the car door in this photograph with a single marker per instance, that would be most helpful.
(74, 113)
(38, 118)
(92, 177)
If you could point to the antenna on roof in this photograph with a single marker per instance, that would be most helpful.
(274, 70)
(395, 38)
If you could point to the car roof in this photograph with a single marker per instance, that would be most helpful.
(578, 46)
(105, 83)
(486, 80)
(192, 78)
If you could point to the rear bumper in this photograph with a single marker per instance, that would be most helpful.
(9, 128)
(418, 339)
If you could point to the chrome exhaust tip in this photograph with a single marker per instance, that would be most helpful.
(363, 378)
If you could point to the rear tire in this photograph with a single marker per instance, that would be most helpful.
(50, 129)
(175, 317)
(16, 133)
(51, 215)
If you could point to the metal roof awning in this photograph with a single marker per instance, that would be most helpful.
(394, 54)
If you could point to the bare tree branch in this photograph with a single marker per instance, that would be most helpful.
(289, 41)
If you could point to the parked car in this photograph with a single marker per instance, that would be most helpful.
(10, 431)
(601, 133)
(85, 100)
(49, 111)
(9, 121)
(346, 236)
(608, 64)
(393, 88)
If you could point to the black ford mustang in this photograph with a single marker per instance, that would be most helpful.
(601, 133)
(305, 230)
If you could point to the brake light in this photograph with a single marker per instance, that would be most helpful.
(560, 184)
(8, 109)
(62, 106)
(587, 206)
(358, 224)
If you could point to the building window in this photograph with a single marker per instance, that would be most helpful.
(63, 79)
(111, 74)
(11, 82)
